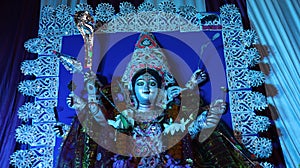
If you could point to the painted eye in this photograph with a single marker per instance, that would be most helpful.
(152, 83)
(140, 83)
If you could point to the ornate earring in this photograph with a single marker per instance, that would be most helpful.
(161, 100)
(133, 100)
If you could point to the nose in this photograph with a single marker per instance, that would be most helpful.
(146, 87)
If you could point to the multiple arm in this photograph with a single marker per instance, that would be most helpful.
(93, 102)
(206, 120)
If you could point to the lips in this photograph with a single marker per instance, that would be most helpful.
(146, 92)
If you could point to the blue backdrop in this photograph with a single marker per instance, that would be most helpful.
(113, 51)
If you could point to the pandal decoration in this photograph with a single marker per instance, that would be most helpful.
(56, 23)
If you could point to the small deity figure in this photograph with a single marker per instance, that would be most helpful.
(150, 91)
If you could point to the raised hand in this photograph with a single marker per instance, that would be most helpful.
(199, 76)
(61, 129)
(173, 92)
(75, 102)
(217, 108)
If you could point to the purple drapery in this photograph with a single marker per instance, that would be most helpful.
(19, 22)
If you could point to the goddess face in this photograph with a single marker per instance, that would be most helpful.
(146, 89)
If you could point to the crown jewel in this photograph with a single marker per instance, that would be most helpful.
(147, 54)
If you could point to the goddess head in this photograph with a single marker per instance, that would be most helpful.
(147, 74)
(146, 85)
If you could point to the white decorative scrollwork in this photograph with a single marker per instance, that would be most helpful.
(167, 7)
(33, 158)
(56, 22)
(44, 115)
(246, 101)
(59, 22)
(249, 37)
(49, 103)
(21, 159)
(84, 7)
(45, 45)
(36, 135)
(42, 66)
(187, 25)
(24, 134)
(146, 20)
(232, 39)
(239, 56)
(165, 18)
(256, 78)
(261, 147)
(123, 23)
(251, 57)
(235, 59)
(244, 78)
(249, 124)
(257, 101)
(42, 88)
(261, 123)
(28, 111)
(146, 7)
(36, 112)
(40, 111)
(126, 8)
(172, 22)
(63, 12)
(104, 12)
(47, 22)
(231, 18)
(187, 12)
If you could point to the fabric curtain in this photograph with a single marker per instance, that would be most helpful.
(277, 26)
(19, 22)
